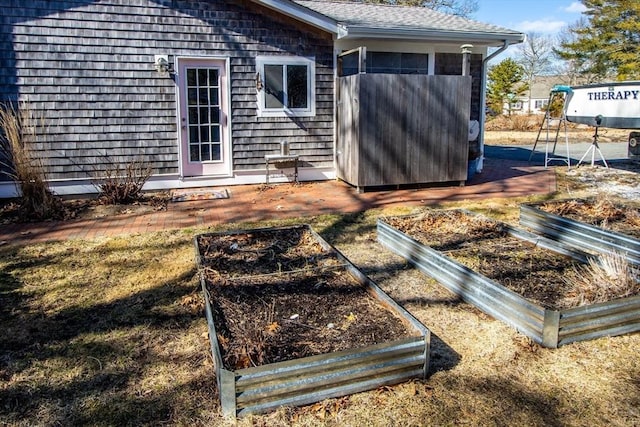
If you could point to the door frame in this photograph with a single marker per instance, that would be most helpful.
(206, 169)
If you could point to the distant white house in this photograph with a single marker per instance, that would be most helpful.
(540, 91)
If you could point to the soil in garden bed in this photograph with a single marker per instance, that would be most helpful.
(602, 213)
(280, 296)
(485, 246)
(263, 252)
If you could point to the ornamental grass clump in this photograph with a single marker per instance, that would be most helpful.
(20, 162)
(602, 280)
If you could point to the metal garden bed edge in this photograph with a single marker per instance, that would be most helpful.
(310, 379)
(549, 328)
(579, 235)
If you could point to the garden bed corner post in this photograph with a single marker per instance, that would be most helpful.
(228, 393)
(551, 328)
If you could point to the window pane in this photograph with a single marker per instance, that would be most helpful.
(297, 86)
(383, 62)
(350, 63)
(414, 63)
(191, 77)
(273, 86)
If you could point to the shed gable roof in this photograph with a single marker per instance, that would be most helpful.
(349, 19)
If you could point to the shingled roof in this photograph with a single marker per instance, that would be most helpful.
(358, 20)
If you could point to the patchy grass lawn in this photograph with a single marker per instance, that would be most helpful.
(112, 332)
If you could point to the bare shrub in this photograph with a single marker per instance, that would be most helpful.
(515, 122)
(599, 281)
(121, 183)
(23, 164)
(522, 122)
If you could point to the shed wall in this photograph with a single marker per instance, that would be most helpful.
(450, 64)
(86, 69)
(402, 129)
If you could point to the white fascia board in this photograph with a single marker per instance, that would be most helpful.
(301, 13)
(489, 39)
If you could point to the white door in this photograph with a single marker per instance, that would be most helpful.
(205, 148)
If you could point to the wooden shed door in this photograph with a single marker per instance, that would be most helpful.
(204, 139)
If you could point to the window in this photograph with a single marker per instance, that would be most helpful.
(386, 62)
(541, 103)
(397, 63)
(286, 86)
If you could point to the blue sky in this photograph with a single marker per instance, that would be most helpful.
(546, 17)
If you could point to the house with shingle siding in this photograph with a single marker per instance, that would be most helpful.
(202, 90)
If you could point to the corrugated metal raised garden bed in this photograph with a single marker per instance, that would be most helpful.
(598, 226)
(513, 275)
(291, 321)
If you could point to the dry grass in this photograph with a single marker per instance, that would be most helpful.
(112, 332)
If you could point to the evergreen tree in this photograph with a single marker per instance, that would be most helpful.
(505, 85)
(609, 44)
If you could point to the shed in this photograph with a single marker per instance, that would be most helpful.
(202, 90)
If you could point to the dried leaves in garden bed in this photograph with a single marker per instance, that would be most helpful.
(602, 213)
(542, 276)
(279, 295)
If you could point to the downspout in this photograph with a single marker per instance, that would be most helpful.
(483, 98)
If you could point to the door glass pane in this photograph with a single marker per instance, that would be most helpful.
(204, 134)
(194, 153)
(205, 152)
(203, 77)
(192, 96)
(215, 151)
(297, 86)
(273, 86)
(194, 135)
(204, 115)
(213, 77)
(215, 133)
(203, 96)
(213, 96)
(191, 77)
(193, 115)
(215, 114)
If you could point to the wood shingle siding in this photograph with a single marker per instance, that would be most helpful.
(86, 69)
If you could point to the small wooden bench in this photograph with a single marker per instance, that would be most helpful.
(282, 161)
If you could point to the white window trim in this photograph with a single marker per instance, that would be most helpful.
(310, 63)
